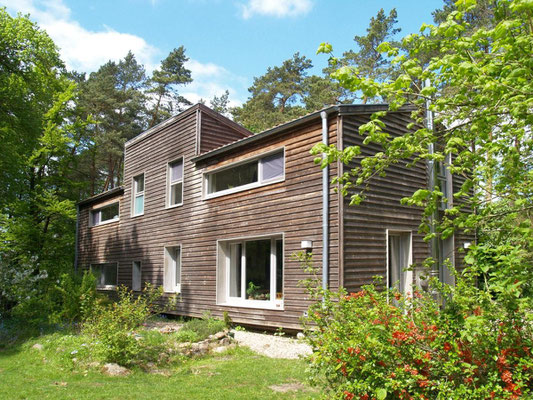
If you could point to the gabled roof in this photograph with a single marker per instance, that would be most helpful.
(341, 109)
(185, 114)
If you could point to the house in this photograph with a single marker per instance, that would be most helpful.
(214, 213)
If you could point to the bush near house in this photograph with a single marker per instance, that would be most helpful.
(377, 344)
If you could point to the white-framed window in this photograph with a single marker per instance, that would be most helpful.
(250, 272)
(105, 214)
(399, 258)
(175, 183)
(136, 276)
(259, 171)
(446, 259)
(172, 274)
(445, 182)
(138, 195)
(106, 275)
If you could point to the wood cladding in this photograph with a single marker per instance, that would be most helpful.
(291, 208)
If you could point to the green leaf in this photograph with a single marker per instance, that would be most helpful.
(381, 394)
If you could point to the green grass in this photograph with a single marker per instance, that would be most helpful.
(27, 373)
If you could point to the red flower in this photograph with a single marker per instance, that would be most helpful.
(364, 397)
(423, 383)
(348, 395)
(447, 346)
(477, 310)
(507, 376)
(381, 364)
(362, 357)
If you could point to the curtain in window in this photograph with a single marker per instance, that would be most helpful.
(272, 166)
(176, 171)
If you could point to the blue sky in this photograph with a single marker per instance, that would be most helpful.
(228, 41)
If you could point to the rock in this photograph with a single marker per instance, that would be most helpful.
(168, 329)
(113, 369)
(220, 349)
(219, 335)
(225, 341)
(37, 346)
(300, 336)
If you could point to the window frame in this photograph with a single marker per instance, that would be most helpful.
(104, 287)
(170, 183)
(223, 297)
(408, 274)
(168, 251)
(99, 210)
(134, 195)
(260, 182)
(136, 288)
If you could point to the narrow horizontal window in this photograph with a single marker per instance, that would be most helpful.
(106, 274)
(175, 183)
(246, 175)
(105, 214)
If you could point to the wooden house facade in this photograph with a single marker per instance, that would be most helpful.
(215, 214)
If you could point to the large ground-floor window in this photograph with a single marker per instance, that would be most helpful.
(106, 275)
(250, 272)
(399, 258)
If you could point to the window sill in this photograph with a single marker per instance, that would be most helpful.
(137, 215)
(243, 188)
(107, 287)
(174, 206)
(259, 304)
(106, 222)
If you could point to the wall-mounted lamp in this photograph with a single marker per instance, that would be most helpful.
(307, 245)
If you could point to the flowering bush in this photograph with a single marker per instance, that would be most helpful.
(378, 344)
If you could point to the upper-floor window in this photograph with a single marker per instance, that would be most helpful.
(246, 175)
(105, 214)
(175, 183)
(138, 195)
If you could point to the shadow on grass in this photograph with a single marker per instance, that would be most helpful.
(14, 332)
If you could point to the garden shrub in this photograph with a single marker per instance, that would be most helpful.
(113, 325)
(377, 344)
(202, 327)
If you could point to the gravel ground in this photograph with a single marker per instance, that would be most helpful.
(273, 346)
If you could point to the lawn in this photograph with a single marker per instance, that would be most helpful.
(50, 373)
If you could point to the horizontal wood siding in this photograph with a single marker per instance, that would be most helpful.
(292, 208)
(215, 133)
(365, 225)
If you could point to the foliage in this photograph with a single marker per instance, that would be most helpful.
(380, 344)
(479, 91)
(202, 327)
(39, 131)
(66, 301)
(163, 85)
(368, 60)
(284, 93)
(114, 325)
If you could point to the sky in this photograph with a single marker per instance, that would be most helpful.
(228, 42)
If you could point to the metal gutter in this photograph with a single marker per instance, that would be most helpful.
(76, 240)
(325, 207)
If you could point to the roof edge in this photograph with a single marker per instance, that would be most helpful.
(264, 134)
(102, 196)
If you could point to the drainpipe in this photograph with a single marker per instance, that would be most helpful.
(76, 240)
(325, 207)
(432, 181)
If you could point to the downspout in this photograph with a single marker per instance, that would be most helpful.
(432, 181)
(325, 207)
(77, 240)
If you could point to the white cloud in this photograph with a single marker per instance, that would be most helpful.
(276, 8)
(85, 51)
(81, 49)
